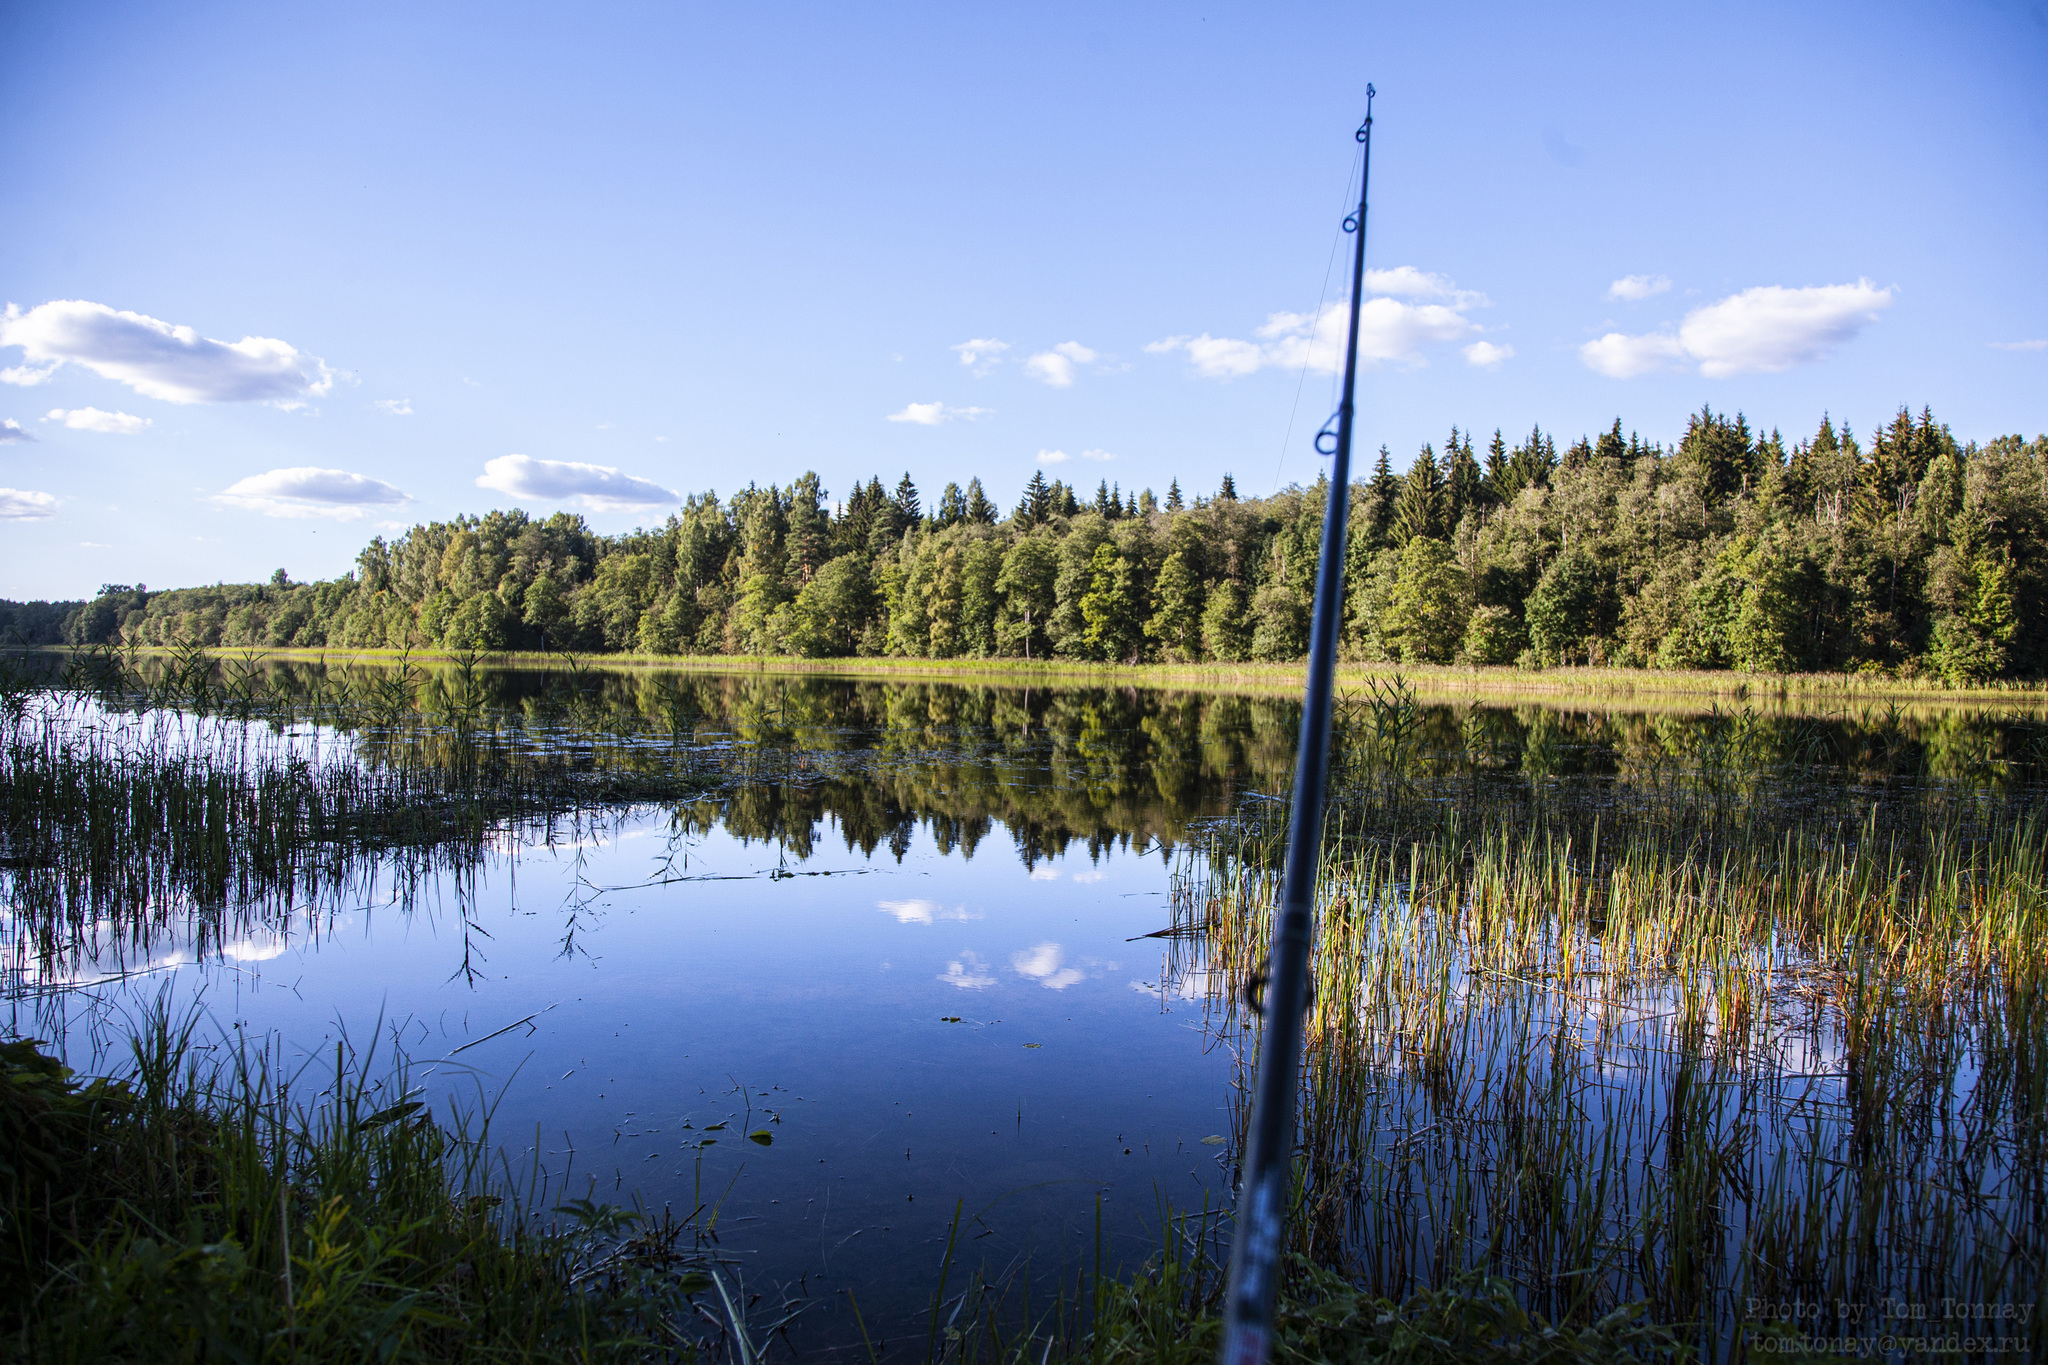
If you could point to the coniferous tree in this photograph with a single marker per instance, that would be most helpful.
(908, 511)
(1419, 510)
(952, 508)
(1464, 484)
(1035, 508)
(1384, 490)
(1228, 492)
(1173, 498)
(1497, 477)
(980, 510)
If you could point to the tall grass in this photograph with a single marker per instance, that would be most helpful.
(1745, 1040)
(211, 1203)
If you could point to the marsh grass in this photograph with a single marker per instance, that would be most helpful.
(1744, 1036)
(211, 1202)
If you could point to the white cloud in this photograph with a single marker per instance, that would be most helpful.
(92, 419)
(923, 911)
(1390, 328)
(17, 504)
(1045, 872)
(1758, 331)
(1406, 282)
(2035, 345)
(1623, 357)
(932, 414)
(1056, 366)
(397, 407)
(1486, 355)
(309, 492)
(12, 431)
(598, 487)
(1061, 456)
(982, 354)
(968, 972)
(1633, 287)
(157, 359)
(1043, 965)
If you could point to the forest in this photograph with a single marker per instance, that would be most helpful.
(1913, 554)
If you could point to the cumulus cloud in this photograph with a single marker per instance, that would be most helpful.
(1410, 311)
(1758, 331)
(2036, 345)
(92, 419)
(1061, 457)
(1056, 366)
(982, 354)
(12, 431)
(396, 407)
(932, 414)
(968, 972)
(1633, 287)
(1486, 355)
(157, 359)
(598, 487)
(18, 504)
(309, 492)
(1043, 964)
(923, 911)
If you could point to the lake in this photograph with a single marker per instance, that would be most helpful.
(887, 976)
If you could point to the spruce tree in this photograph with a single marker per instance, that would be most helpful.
(1035, 508)
(1464, 486)
(1497, 470)
(1419, 510)
(908, 510)
(1228, 492)
(1173, 498)
(952, 508)
(979, 508)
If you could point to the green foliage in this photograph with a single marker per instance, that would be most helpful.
(1425, 616)
(1728, 552)
(205, 1211)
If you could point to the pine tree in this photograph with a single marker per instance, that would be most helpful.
(807, 542)
(1101, 506)
(1173, 498)
(1228, 492)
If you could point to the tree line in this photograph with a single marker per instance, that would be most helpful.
(1913, 553)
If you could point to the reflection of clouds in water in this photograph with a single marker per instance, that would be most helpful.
(968, 972)
(1042, 964)
(1202, 983)
(1092, 875)
(1045, 874)
(260, 946)
(922, 912)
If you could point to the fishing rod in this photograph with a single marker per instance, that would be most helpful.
(1263, 1193)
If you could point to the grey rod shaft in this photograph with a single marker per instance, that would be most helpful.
(1263, 1193)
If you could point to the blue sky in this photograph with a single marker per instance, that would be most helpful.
(591, 256)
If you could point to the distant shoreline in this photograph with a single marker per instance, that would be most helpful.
(1428, 680)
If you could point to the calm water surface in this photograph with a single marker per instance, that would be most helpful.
(923, 973)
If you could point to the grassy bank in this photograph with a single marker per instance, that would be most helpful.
(208, 1203)
(1565, 684)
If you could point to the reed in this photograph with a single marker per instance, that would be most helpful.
(1699, 1037)
(210, 1202)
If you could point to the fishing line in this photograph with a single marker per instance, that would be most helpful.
(1329, 267)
